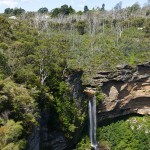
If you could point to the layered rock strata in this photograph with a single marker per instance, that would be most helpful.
(126, 91)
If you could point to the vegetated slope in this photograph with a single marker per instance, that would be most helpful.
(122, 133)
(132, 133)
(38, 50)
(99, 39)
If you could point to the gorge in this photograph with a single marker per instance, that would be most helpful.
(125, 91)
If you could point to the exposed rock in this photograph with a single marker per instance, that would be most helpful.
(13, 17)
(34, 140)
(90, 92)
(125, 66)
(54, 140)
(113, 94)
(49, 139)
(127, 90)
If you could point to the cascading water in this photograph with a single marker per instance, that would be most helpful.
(92, 118)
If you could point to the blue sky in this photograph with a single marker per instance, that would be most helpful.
(34, 5)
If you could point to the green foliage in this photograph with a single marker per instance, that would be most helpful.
(69, 116)
(8, 11)
(18, 103)
(81, 25)
(10, 134)
(147, 28)
(18, 11)
(4, 70)
(135, 7)
(5, 30)
(43, 10)
(15, 11)
(103, 7)
(26, 76)
(55, 12)
(132, 59)
(84, 144)
(126, 134)
(37, 54)
(86, 9)
(148, 13)
(3, 46)
(71, 10)
(79, 12)
(138, 22)
(63, 10)
(99, 96)
(1, 75)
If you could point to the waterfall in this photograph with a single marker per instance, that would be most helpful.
(92, 118)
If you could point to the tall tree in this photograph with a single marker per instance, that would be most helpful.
(64, 9)
(43, 10)
(18, 11)
(135, 7)
(55, 12)
(8, 11)
(118, 6)
(86, 9)
(103, 7)
(71, 10)
(5, 30)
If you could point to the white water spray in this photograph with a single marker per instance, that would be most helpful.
(92, 118)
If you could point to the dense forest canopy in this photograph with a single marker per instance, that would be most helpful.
(39, 49)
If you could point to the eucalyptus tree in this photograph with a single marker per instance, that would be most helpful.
(8, 11)
(86, 9)
(43, 10)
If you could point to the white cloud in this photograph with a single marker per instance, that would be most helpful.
(13, 3)
(27, 1)
(9, 3)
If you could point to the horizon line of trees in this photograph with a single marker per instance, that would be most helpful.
(66, 10)
(15, 11)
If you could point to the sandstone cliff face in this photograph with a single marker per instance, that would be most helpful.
(126, 91)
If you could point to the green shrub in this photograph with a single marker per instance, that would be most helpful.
(19, 104)
(81, 27)
(10, 134)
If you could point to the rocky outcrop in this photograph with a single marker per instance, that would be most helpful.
(34, 140)
(126, 90)
(44, 138)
